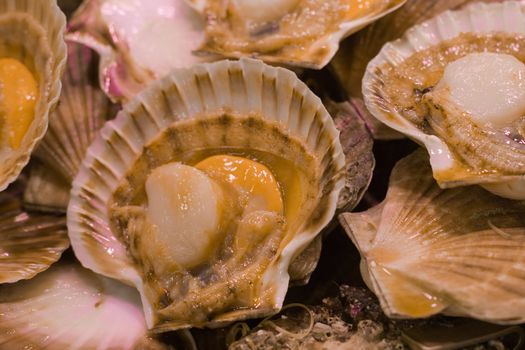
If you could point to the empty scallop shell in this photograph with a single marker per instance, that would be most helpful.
(69, 307)
(304, 33)
(32, 32)
(244, 104)
(462, 156)
(29, 242)
(427, 250)
(127, 63)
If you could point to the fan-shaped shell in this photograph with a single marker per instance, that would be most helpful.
(358, 50)
(29, 242)
(453, 161)
(32, 32)
(427, 250)
(46, 190)
(244, 96)
(82, 111)
(68, 307)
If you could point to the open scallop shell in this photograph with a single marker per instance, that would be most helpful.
(69, 307)
(242, 89)
(32, 32)
(477, 18)
(355, 53)
(427, 250)
(358, 50)
(121, 75)
(312, 46)
(29, 242)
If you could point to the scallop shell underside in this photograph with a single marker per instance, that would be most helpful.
(30, 242)
(427, 250)
(69, 307)
(82, 111)
(46, 191)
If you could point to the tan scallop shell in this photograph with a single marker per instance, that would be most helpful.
(82, 111)
(254, 95)
(448, 164)
(46, 190)
(32, 32)
(427, 250)
(350, 61)
(29, 242)
(69, 307)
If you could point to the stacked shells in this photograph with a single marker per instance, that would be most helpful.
(196, 192)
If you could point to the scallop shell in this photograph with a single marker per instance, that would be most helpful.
(82, 111)
(32, 32)
(46, 191)
(427, 250)
(29, 242)
(357, 145)
(313, 48)
(243, 89)
(68, 307)
(358, 50)
(349, 64)
(121, 76)
(447, 165)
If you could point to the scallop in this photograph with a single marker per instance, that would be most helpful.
(304, 33)
(205, 188)
(32, 58)
(426, 250)
(126, 32)
(349, 64)
(455, 85)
